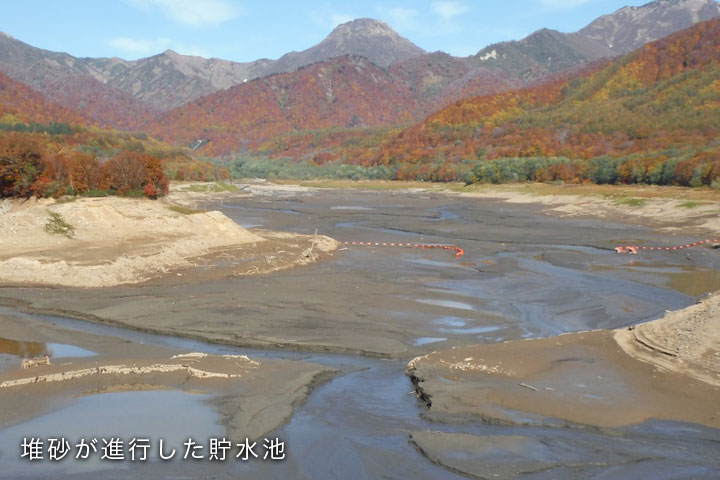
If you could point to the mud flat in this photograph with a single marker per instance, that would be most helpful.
(251, 396)
(564, 276)
(664, 369)
(102, 242)
(393, 302)
(664, 207)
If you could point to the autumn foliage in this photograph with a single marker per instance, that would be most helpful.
(27, 168)
(662, 100)
(348, 92)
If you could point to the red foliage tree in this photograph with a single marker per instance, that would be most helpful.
(21, 164)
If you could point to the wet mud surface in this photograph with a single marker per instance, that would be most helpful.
(367, 311)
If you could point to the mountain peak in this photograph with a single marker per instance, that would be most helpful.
(363, 37)
(369, 38)
(363, 27)
(631, 27)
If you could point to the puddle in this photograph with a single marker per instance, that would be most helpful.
(23, 349)
(426, 340)
(149, 414)
(446, 303)
(451, 322)
(61, 350)
(473, 330)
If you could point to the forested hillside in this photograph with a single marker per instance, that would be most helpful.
(346, 91)
(50, 150)
(657, 105)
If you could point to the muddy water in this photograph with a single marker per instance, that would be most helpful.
(27, 349)
(524, 275)
(123, 415)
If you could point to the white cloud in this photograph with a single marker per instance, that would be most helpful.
(447, 10)
(140, 47)
(195, 13)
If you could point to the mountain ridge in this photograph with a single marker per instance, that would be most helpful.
(128, 94)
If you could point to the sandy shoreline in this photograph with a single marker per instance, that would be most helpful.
(114, 241)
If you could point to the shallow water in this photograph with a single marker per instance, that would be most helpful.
(25, 349)
(523, 276)
(169, 415)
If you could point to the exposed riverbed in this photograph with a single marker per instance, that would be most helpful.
(524, 275)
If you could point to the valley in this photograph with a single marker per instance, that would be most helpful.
(365, 257)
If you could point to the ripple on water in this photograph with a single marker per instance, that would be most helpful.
(446, 303)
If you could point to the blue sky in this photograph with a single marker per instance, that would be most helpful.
(244, 30)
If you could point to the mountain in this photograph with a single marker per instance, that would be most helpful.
(343, 92)
(21, 104)
(363, 37)
(437, 79)
(168, 80)
(73, 83)
(632, 27)
(128, 94)
(549, 51)
(661, 97)
(159, 82)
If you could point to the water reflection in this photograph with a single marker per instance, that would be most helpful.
(23, 349)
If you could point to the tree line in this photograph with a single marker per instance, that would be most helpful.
(28, 168)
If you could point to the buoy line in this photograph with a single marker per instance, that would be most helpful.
(459, 252)
(635, 249)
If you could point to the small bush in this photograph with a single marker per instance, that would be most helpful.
(56, 224)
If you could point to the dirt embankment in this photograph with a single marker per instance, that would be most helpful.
(668, 368)
(102, 242)
(685, 341)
